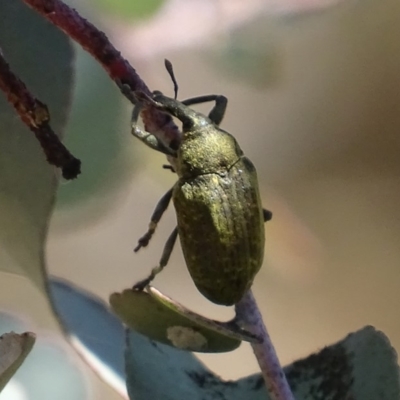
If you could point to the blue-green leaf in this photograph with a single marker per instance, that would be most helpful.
(92, 329)
(50, 371)
(42, 57)
(160, 318)
(97, 132)
(363, 366)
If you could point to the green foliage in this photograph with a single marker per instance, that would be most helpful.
(129, 9)
(251, 55)
(363, 366)
(42, 57)
(170, 323)
(94, 134)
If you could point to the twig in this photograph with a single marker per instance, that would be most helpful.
(36, 116)
(121, 72)
(249, 317)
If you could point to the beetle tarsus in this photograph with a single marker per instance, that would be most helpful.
(143, 241)
(217, 112)
(147, 138)
(161, 206)
(170, 167)
(169, 246)
(141, 285)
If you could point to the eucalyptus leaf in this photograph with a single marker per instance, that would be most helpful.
(138, 9)
(97, 132)
(251, 54)
(93, 330)
(42, 57)
(168, 323)
(228, 328)
(363, 366)
(14, 348)
(50, 371)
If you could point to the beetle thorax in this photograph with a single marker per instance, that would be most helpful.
(206, 151)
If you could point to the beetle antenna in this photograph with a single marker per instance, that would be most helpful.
(168, 66)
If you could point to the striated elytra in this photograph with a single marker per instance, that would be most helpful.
(220, 219)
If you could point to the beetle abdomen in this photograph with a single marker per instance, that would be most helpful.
(221, 228)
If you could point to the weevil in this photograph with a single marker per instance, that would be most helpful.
(220, 219)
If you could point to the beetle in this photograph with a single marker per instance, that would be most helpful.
(220, 219)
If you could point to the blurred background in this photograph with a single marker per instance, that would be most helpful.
(314, 101)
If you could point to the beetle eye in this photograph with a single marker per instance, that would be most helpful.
(174, 145)
(187, 124)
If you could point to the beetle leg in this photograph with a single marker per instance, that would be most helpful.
(267, 215)
(161, 206)
(169, 246)
(147, 138)
(170, 167)
(218, 111)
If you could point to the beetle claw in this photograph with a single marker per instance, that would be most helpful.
(143, 242)
(141, 285)
(145, 239)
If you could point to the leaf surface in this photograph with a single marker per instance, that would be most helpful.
(42, 57)
(363, 366)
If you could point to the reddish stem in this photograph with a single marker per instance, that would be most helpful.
(91, 39)
(36, 116)
(97, 44)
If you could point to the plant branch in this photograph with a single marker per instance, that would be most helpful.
(36, 117)
(121, 72)
(249, 317)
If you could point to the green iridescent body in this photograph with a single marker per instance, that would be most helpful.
(219, 213)
(217, 202)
